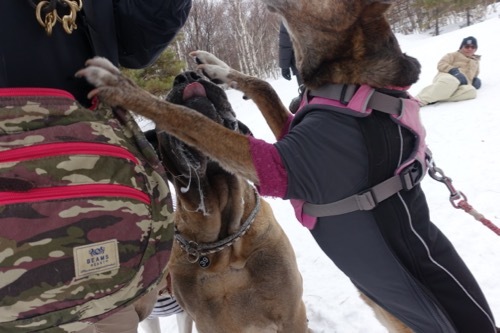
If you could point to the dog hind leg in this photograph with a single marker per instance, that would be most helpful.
(390, 322)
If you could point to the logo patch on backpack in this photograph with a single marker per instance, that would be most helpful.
(96, 258)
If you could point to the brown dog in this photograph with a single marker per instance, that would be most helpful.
(364, 52)
(232, 267)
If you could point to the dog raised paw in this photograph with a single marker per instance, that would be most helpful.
(99, 72)
(203, 57)
(111, 85)
(212, 67)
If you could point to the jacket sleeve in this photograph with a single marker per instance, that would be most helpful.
(286, 55)
(144, 28)
(446, 63)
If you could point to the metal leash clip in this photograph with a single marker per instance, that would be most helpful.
(438, 174)
(457, 198)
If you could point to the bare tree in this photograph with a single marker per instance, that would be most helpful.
(241, 32)
(244, 33)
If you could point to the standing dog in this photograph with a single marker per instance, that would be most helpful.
(394, 254)
(232, 267)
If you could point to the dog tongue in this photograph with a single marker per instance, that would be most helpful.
(194, 89)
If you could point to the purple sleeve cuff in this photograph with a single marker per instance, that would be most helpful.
(273, 180)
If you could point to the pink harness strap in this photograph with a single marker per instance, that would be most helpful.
(360, 102)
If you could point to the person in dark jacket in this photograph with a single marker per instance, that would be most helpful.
(287, 56)
(44, 43)
(131, 34)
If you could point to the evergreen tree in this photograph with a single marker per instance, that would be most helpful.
(158, 77)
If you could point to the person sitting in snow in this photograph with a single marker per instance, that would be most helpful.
(457, 79)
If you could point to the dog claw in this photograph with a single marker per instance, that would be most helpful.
(103, 63)
(215, 73)
(203, 57)
(97, 76)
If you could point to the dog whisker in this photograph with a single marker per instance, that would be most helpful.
(202, 207)
(184, 189)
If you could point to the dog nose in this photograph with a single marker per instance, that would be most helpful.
(186, 77)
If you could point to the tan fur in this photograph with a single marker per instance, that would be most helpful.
(253, 286)
(335, 42)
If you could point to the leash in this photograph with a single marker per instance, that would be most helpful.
(458, 199)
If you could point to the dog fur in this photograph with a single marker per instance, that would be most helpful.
(335, 41)
(252, 286)
(348, 42)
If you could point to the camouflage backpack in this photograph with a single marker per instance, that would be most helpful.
(85, 212)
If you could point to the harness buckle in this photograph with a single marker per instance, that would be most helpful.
(411, 175)
(347, 92)
(366, 200)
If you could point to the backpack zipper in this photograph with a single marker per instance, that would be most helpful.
(35, 92)
(73, 192)
(65, 148)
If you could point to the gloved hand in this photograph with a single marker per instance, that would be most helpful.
(285, 72)
(458, 75)
(294, 104)
(476, 83)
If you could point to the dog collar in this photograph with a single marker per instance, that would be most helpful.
(197, 251)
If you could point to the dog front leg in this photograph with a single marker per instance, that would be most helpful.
(229, 148)
(260, 91)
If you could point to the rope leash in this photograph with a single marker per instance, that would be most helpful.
(458, 199)
(478, 216)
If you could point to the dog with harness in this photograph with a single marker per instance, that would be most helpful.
(357, 128)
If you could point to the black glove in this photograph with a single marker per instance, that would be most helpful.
(476, 83)
(285, 72)
(458, 75)
(294, 104)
